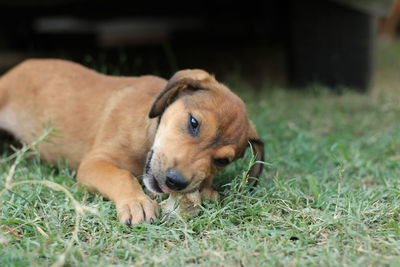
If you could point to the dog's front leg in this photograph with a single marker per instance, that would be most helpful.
(121, 187)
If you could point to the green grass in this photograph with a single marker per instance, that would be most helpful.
(330, 195)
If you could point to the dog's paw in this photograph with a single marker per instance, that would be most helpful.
(209, 194)
(137, 210)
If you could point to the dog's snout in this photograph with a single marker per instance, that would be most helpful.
(175, 181)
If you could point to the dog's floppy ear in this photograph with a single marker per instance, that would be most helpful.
(182, 80)
(257, 146)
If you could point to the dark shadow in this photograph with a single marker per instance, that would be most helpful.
(7, 141)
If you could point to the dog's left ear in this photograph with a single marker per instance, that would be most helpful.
(182, 80)
(258, 149)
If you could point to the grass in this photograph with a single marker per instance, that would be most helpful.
(330, 195)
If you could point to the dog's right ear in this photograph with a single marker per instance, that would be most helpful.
(182, 80)
(257, 146)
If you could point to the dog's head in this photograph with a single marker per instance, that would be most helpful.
(203, 127)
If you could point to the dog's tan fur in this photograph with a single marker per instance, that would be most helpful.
(107, 126)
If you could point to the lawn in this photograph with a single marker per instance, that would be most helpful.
(329, 196)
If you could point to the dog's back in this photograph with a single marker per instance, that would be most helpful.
(65, 94)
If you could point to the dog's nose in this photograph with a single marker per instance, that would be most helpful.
(175, 180)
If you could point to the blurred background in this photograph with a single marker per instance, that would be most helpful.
(289, 42)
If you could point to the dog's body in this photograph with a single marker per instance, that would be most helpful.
(107, 127)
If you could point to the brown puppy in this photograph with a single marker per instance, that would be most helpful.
(180, 132)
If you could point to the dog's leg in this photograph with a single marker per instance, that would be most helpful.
(207, 191)
(121, 187)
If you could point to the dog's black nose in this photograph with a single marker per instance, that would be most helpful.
(175, 180)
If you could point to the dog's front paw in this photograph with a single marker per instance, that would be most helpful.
(137, 210)
(209, 194)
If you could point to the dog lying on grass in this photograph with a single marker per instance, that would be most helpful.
(113, 129)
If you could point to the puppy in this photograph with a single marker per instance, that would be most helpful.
(113, 129)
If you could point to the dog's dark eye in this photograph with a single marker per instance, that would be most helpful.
(221, 162)
(193, 125)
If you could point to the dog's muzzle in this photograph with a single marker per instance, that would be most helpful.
(173, 180)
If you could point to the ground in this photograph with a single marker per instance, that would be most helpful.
(329, 196)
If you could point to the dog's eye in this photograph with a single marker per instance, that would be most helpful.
(193, 125)
(221, 162)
